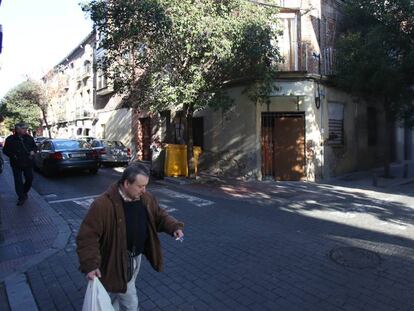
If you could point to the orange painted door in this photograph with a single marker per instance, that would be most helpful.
(289, 148)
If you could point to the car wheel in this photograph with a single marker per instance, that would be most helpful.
(35, 167)
(93, 170)
(47, 171)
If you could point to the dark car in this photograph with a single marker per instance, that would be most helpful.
(39, 140)
(57, 155)
(112, 151)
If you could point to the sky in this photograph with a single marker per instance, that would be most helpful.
(37, 35)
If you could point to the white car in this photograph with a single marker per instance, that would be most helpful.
(112, 151)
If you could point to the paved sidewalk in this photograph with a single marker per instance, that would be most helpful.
(265, 192)
(30, 233)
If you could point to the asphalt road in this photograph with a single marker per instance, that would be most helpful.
(75, 184)
(314, 250)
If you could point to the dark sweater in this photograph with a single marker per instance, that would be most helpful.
(18, 149)
(136, 220)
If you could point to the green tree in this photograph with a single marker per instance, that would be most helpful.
(182, 54)
(35, 97)
(15, 108)
(375, 57)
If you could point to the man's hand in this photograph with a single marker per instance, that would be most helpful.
(179, 235)
(95, 273)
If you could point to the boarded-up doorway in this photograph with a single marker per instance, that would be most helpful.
(283, 146)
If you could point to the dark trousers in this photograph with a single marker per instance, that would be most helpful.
(22, 188)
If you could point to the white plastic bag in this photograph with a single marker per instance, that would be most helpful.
(96, 297)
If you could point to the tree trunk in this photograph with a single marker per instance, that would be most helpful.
(190, 142)
(46, 123)
(389, 120)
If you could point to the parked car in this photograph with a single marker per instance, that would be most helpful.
(112, 151)
(57, 155)
(89, 139)
(38, 140)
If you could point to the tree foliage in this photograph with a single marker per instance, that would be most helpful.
(16, 108)
(181, 53)
(375, 59)
(376, 52)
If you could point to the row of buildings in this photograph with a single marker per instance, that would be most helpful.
(309, 130)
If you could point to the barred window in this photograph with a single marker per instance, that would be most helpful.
(336, 123)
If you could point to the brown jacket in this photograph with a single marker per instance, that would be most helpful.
(102, 243)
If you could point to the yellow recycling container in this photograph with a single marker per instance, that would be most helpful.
(176, 160)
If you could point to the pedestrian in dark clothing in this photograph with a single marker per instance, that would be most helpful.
(20, 148)
(121, 225)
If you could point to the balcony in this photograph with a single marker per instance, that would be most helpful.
(102, 86)
(328, 61)
(84, 114)
(81, 76)
(61, 118)
(86, 74)
(295, 58)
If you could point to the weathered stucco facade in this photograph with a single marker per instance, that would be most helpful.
(233, 144)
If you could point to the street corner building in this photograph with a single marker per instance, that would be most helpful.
(308, 131)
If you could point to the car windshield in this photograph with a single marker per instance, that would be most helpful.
(113, 143)
(71, 144)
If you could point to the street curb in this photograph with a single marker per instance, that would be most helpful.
(20, 294)
(16, 282)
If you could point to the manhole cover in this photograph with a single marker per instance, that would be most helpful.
(354, 257)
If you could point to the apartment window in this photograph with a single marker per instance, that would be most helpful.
(336, 123)
(87, 66)
(101, 80)
(372, 125)
(288, 42)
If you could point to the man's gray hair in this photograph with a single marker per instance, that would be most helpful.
(132, 171)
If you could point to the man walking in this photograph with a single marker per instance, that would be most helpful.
(20, 148)
(120, 226)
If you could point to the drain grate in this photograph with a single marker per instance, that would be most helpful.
(355, 257)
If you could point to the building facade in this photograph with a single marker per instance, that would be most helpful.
(70, 87)
(82, 103)
(308, 131)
